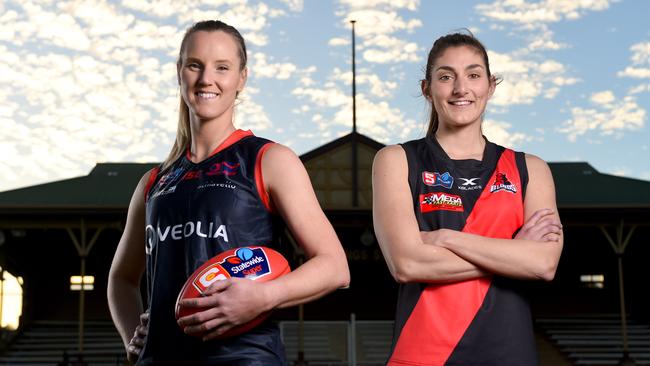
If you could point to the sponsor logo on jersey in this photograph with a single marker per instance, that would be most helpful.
(171, 176)
(218, 168)
(436, 179)
(189, 229)
(168, 182)
(469, 184)
(501, 183)
(164, 191)
(217, 185)
(440, 201)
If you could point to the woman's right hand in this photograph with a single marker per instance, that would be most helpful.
(542, 226)
(137, 342)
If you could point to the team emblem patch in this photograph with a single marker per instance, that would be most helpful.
(436, 179)
(436, 201)
(501, 183)
(245, 263)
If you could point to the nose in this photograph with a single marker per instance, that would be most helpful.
(204, 77)
(460, 86)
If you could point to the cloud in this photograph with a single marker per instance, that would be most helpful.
(605, 98)
(498, 132)
(640, 89)
(251, 116)
(531, 19)
(337, 41)
(378, 87)
(609, 116)
(524, 79)
(380, 27)
(411, 5)
(262, 68)
(294, 5)
(641, 60)
(93, 81)
(635, 72)
(377, 119)
(641, 55)
(545, 11)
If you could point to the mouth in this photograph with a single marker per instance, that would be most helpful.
(460, 103)
(206, 95)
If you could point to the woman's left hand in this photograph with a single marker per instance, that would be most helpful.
(227, 304)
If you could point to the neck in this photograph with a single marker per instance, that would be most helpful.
(461, 143)
(207, 136)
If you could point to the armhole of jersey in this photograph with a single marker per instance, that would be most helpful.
(259, 178)
(409, 169)
(152, 179)
(520, 159)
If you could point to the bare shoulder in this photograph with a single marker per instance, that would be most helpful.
(538, 168)
(145, 181)
(279, 151)
(391, 155)
(279, 158)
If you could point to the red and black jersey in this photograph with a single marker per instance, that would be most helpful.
(195, 211)
(484, 321)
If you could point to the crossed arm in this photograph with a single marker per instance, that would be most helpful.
(446, 255)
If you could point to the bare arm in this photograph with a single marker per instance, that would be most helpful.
(535, 251)
(325, 270)
(409, 259)
(124, 300)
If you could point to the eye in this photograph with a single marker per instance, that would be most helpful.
(193, 66)
(474, 76)
(222, 68)
(445, 77)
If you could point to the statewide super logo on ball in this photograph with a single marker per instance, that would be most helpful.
(247, 262)
(257, 263)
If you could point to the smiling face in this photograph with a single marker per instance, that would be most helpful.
(210, 75)
(460, 86)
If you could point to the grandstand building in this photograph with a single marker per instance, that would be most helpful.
(52, 232)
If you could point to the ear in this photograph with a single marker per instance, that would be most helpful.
(493, 86)
(243, 77)
(424, 86)
(178, 72)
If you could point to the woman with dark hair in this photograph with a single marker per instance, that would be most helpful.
(461, 221)
(220, 188)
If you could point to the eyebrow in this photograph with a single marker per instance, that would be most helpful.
(190, 58)
(449, 68)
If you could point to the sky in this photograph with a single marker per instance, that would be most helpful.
(89, 81)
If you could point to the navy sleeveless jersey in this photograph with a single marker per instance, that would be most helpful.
(195, 211)
(484, 321)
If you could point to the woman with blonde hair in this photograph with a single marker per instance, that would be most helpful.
(220, 188)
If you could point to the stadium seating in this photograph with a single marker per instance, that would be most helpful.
(50, 342)
(596, 339)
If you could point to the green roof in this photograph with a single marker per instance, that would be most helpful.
(579, 185)
(109, 185)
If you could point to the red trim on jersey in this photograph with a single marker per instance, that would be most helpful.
(153, 173)
(259, 178)
(445, 311)
(234, 137)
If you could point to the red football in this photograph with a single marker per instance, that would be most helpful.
(256, 263)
